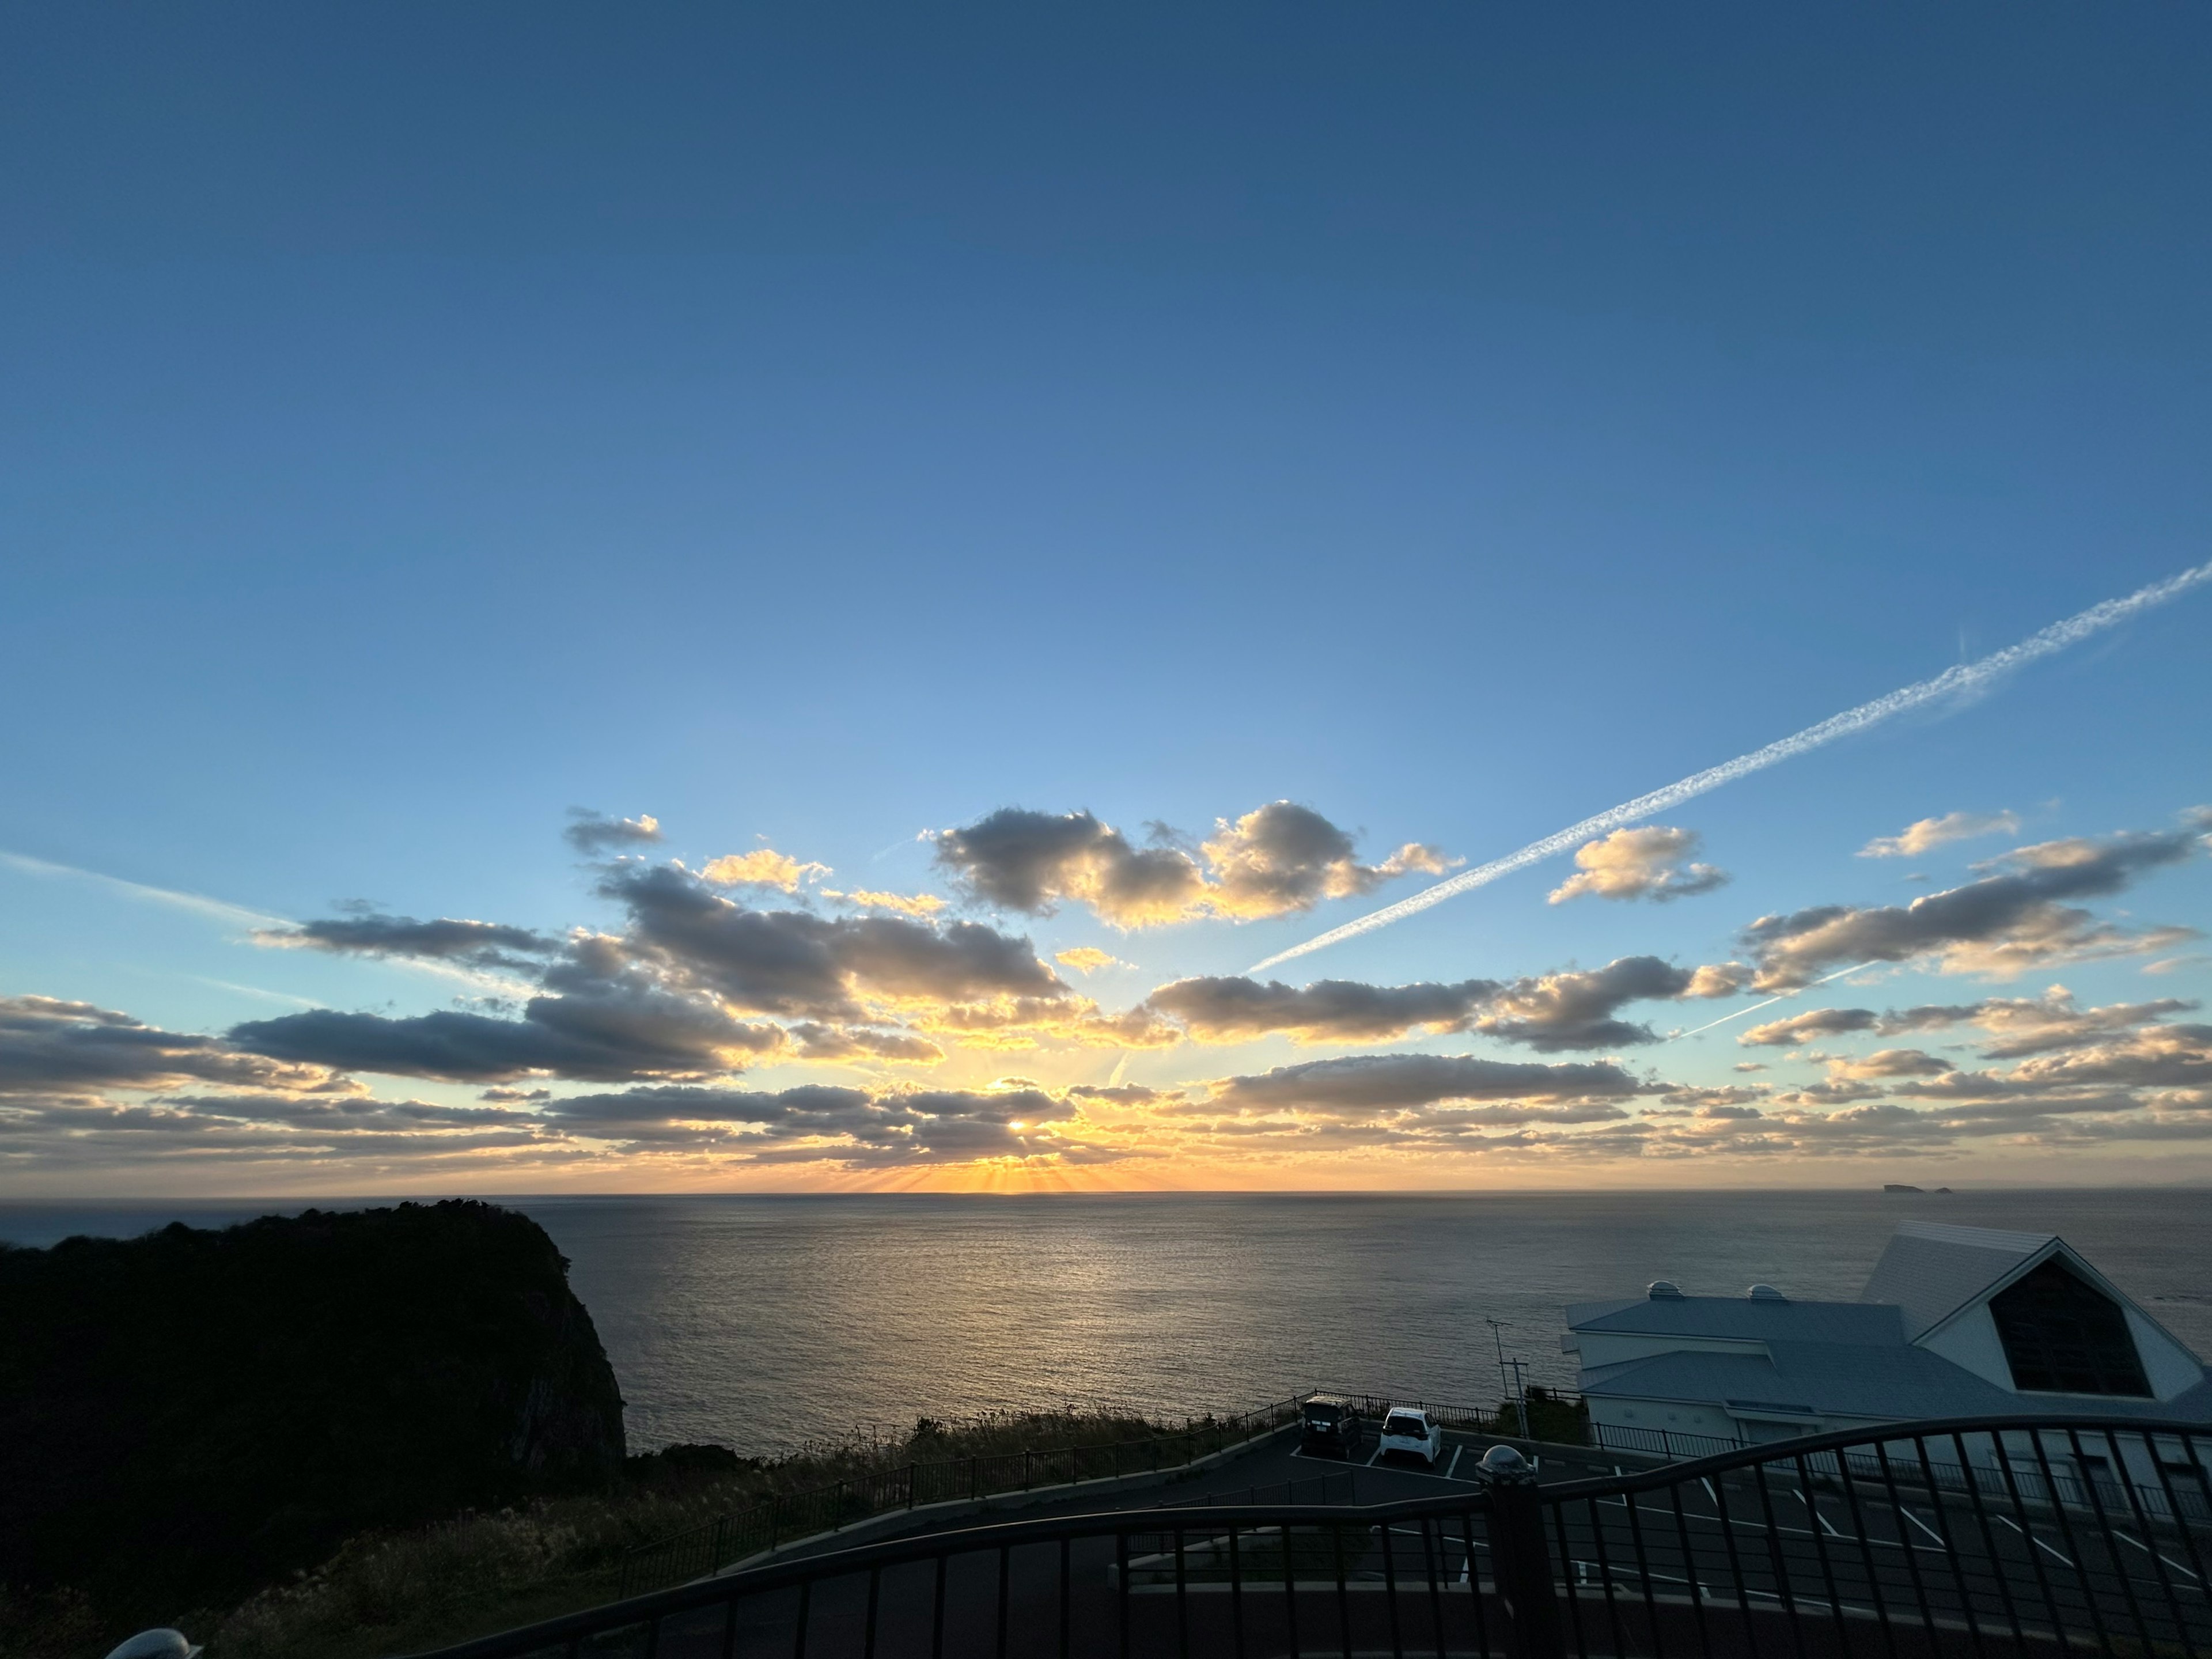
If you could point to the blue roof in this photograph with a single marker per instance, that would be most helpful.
(1856, 1380)
(1932, 1269)
(1744, 1319)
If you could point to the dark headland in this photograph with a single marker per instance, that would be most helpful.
(190, 1415)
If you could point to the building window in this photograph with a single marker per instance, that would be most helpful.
(2064, 1336)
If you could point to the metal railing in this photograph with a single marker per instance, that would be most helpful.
(713, 1545)
(1918, 1541)
(1663, 1443)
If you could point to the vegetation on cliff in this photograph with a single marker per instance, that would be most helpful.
(190, 1415)
(408, 1589)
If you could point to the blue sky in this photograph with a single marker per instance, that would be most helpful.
(815, 430)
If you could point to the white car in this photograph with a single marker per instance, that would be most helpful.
(1409, 1430)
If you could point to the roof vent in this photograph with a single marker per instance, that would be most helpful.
(1765, 1293)
(1664, 1290)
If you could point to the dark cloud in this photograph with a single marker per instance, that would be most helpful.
(1018, 860)
(819, 1041)
(1801, 1028)
(1568, 1011)
(476, 944)
(1276, 858)
(620, 1032)
(820, 1122)
(1234, 1009)
(1372, 1083)
(49, 1047)
(2020, 1026)
(597, 832)
(794, 962)
(2002, 923)
(1283, 857)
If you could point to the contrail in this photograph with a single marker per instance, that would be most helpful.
(1953, 681)
(1770, 1001)
(198, 903)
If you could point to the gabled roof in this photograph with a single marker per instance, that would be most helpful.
(1932, 1269)
(1741, 1318)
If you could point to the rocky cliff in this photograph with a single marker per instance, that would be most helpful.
(187, 1414)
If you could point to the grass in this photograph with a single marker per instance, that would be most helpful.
(412, 1591)
(401, 1592)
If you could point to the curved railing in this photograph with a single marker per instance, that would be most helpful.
(1970, 1537)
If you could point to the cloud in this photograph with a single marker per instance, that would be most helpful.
(1282, 857)
(1813, 1023)
(919, 905)
(1088, 959)
(1276, 858)
(620, 1029)
(2176, 964)
(371, 933)
(797, 963)
(1125, 1094)
(1018, 860)
(595, 832)
(2003, 924)
(1928, 833)
(1635, 864)
(818, 1042)
(52, 1047)
(762, 867)
(1237, 1009)
(1890, 1062)
(515, 1096)
(1371, 1083)
(1563, 1011)
(816, 1122)
(2030, 1025)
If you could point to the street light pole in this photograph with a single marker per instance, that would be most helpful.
(1497, 1328)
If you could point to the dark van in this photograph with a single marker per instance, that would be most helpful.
(1328, 1423)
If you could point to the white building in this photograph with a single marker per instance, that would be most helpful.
(1956, 1321)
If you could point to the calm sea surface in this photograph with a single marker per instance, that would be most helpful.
(760, 1322)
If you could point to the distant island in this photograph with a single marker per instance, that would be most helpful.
(1899, 1186)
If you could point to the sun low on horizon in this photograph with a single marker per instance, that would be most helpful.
(749, 607)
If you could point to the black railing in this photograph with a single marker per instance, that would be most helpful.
(767, 1526)
(1967, 1538)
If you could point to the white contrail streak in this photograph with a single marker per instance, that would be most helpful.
(1966, 678)
(197, 903)
(1770, 1001)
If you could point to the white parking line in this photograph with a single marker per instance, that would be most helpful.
(1918, 1523)
(1813, 1509)
(2147, 1550)
(2034, 1540)
(1450, 1468)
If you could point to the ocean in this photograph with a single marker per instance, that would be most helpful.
(762, 1322)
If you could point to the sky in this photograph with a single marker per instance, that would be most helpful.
(707, 599)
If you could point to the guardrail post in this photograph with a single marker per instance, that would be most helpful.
(913, 1470)
(1520, 1559)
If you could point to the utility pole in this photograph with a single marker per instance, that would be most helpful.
(1497, 1329)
